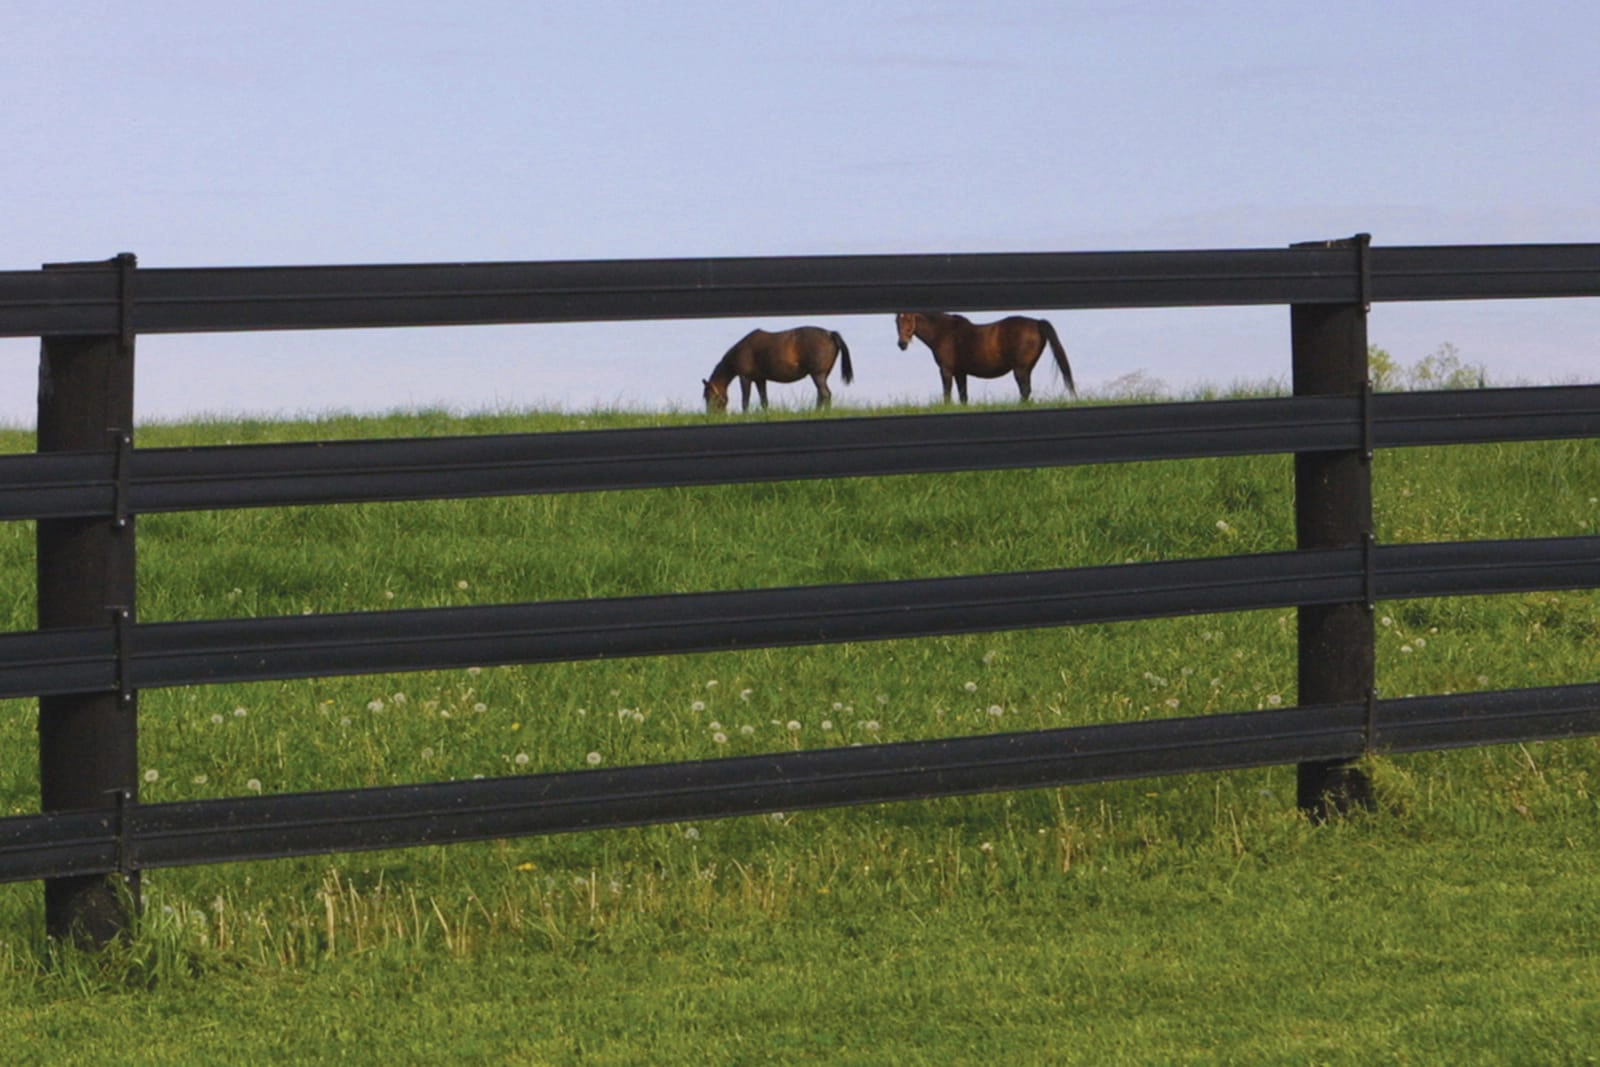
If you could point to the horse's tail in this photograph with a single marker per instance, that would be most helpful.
(1059, 352)
(847, 372)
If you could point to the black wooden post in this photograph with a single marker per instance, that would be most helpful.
(88, 753)
(1333, 509)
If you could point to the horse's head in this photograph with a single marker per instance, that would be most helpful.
(905, 324)
(716, 396)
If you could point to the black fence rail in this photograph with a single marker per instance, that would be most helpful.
(85, 488)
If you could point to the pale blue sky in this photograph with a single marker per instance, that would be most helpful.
(296, 132)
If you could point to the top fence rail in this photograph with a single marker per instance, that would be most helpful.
(101, 299)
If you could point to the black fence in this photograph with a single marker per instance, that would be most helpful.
(88, 483)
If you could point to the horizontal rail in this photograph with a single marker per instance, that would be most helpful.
(255, 828)
(89, 299)
(181, 479)
(157, 655)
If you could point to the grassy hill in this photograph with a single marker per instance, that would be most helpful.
(1186, 919)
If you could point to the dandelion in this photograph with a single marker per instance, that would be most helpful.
(988, 657)
(254, 785)
(747, 731)
(398, 698)
(199, 779)
(521, 759)
(971, 687)
(515, 727)
(593, 759)
(883, 700)
(720, 738)
(711, 683)
(462, 584)
(480, 706)
(239, 713)
(528, 866)
(217, 719)
(692, 833)
(427, 753)
(744, 695)
(1420, 642)
(374, 705)
(827, 724)
(1223, 527)
(713, 725)
(1172, 703)
(345, 721)
(794, 727)
(698, 706)
(152, 775)
(995, 711)
(473, 672)
(388, 594)
(1273, 700)
(873, 726)
(837, 706)
(1406, 649)
(1387, 621)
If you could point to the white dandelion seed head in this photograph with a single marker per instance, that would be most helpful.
(152, 775)
(793, 726)
(744, 695)
(200, 779)
(995, 710)
(827, 724)
(374, 705)
(240, 712)
(873, 726)
(720, 738)
(480, 706)
(217, 719)
(427, 753)
(461, 584)
(747, 731)
(971, 687)
(713, 725)
(593, 759)
(698, 706)
(254, 785)
(520, 759)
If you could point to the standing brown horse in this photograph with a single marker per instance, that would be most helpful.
(806, 351)
(1013, 344)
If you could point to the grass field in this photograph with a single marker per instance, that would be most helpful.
(1173, 920)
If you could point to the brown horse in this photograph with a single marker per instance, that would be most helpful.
(1013, 344)
(760, 357)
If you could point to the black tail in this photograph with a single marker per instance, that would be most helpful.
(847, 372)
(1060, 353)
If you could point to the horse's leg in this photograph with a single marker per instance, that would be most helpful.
(961, 386)
(744, 394)
(1024, 376)
(824, 394)
(947, 378)
(761, 387)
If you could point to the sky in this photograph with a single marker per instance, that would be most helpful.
(200, 134)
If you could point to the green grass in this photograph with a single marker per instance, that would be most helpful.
(1193, 919)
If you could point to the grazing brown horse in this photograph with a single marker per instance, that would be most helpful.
(1013, 344)
(760, 357)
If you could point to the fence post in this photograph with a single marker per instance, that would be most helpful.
(88, 751)
(1333, 509)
